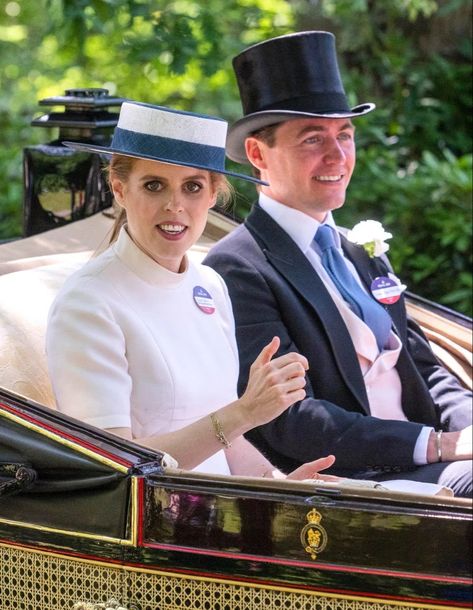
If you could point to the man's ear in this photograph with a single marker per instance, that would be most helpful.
(254, 152)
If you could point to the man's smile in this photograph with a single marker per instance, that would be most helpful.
(329, 178)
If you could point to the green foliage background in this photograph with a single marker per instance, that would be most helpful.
(411, 57)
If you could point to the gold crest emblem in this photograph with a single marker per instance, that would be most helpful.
(313, 536)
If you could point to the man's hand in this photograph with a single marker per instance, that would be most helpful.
(454, 446)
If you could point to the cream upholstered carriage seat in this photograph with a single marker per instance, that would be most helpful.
(25, 298)
(32, 271)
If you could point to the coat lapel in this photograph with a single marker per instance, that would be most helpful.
(368, 270)
(286, 257)
(365, 265)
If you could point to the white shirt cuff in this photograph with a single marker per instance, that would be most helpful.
(420, 449)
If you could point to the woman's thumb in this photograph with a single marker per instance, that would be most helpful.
(268, 352)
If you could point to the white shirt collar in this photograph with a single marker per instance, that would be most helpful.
(300, 227)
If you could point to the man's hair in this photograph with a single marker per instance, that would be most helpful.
(267, 135)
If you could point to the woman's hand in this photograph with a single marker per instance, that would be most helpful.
(311, 470)
(273, 384)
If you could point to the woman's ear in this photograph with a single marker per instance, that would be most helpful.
(118, 188)
(213, 200)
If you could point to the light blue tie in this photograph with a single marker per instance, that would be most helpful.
(371, 312)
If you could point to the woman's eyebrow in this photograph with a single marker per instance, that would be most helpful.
(163, 178)
(152, 177)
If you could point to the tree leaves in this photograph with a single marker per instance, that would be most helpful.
(414, 162)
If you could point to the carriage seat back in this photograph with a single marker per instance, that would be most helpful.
(25, 299)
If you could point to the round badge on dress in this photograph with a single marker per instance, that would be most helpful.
(386, 290)
(203, 300)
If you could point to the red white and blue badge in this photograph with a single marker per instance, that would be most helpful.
(203, 300)
(387, 290)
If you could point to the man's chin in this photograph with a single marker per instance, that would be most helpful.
(338, 204)
(332, 205)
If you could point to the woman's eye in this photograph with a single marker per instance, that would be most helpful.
(193, 187)
(153, 186)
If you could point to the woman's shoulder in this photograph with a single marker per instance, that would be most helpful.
(90, 279)
(207, 274)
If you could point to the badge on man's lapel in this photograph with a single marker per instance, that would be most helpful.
(387, 289)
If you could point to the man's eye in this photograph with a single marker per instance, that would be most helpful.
(153, 185)
(313, 140)
(193, 187)
(345, 136)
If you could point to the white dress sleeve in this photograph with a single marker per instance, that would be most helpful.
(87, 360)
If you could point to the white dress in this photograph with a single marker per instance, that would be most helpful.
(131, 344)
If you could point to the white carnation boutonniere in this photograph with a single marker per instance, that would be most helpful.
(371, 235)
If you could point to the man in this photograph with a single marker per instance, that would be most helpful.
(377, 398)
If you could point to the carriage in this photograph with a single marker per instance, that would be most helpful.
(89, 520)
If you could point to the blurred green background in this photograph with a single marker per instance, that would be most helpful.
(411, 57)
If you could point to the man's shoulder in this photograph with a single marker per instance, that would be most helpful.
(238, 243)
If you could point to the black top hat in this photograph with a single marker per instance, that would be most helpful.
(288, 77)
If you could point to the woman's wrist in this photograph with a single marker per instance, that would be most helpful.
(219, 432)
(244, 411)
(229, 422)
(270, 472)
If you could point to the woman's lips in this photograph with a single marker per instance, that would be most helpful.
(172, 231)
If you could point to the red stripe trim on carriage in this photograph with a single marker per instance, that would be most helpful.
(140, 511)
(67, 436)
(241, 579)
(309, 564)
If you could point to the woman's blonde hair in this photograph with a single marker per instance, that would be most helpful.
(121, 166)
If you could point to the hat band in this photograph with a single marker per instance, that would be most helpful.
(321, 103)
(168, 149)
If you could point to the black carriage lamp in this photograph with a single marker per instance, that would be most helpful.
(62, 185)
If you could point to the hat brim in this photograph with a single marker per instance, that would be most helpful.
(239, 131)
(108, 151)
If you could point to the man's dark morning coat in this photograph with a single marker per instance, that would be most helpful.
(276, 292)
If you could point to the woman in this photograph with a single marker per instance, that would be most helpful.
(141, 340)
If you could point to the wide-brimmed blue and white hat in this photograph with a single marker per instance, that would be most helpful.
(171, 136)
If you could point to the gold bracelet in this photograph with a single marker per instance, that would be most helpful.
(438, 438)
(219, 432)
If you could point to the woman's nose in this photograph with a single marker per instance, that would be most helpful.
(173, 204)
